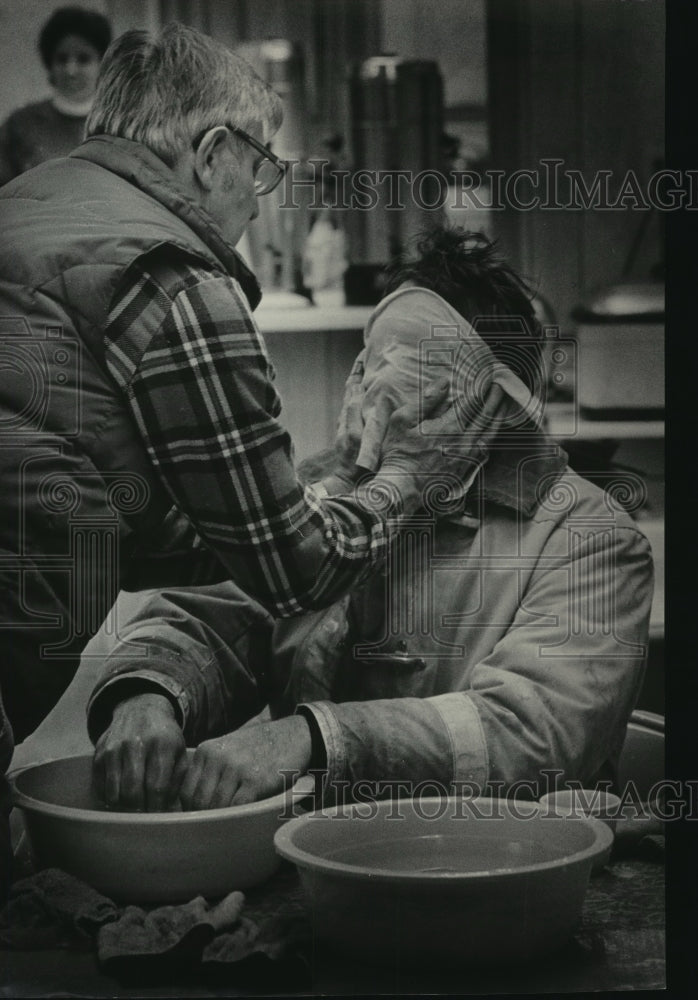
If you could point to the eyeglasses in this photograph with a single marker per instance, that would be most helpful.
(269, 170)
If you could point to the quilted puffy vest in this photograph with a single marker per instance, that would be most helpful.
(77, 488)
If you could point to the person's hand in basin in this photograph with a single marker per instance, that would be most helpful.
(141, 764)
(246, 765)
(140, 759)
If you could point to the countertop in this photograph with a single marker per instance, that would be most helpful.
(619, 945)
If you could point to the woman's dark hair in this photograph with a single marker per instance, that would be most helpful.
(87, 24)
(465, 269)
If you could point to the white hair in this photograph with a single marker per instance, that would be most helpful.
(163, 91)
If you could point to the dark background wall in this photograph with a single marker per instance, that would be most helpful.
(581, 81)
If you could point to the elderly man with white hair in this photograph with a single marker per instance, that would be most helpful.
(141, 442)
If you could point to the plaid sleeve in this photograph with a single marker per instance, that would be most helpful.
(186, 351)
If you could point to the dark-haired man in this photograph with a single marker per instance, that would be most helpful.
(504, 639)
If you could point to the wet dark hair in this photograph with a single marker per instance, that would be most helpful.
(87, 24)
(465, 269)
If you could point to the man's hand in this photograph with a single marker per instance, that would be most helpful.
(413, 446)
(140, 759)
(419, 455)
(245, 766)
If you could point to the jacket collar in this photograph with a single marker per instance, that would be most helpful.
(518, 475)
(137, 164)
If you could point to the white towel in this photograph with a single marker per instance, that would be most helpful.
(414, 338)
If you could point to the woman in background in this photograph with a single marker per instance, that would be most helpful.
(71, 43)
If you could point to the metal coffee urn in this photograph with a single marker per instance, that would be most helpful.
(396, 114)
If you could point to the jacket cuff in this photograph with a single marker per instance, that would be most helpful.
(6, 740)
(470, 761)
(104, 700)
(322, 717)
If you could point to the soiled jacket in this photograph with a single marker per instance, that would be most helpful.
(498, 644)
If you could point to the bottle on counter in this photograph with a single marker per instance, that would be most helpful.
(325, 261)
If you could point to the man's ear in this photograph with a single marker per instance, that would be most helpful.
(208, 155)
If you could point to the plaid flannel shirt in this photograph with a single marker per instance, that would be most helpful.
(184, 348)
